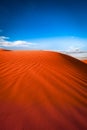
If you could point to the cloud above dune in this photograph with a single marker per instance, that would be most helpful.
(5, 42)
(21, 43)
(56, 44)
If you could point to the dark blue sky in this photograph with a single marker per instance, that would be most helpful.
(34, 19)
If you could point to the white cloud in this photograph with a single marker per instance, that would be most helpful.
(70, 44)
(4, 42)
(21, 43)
(75, 48)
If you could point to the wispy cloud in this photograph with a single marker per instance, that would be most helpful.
(56, 44)
(5, 42)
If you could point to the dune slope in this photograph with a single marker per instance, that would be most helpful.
(42, 90)
(85, 61)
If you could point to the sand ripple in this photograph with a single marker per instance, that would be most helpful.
(42, 90)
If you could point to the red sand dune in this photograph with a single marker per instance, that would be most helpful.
(42, 90)
(85, 61)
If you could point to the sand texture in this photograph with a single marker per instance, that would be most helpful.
(42, 90)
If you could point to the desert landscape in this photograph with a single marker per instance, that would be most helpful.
(42, 90)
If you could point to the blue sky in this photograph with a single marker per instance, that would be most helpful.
(43, 24)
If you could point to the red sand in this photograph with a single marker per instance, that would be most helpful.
(85, 61)
(41, 90)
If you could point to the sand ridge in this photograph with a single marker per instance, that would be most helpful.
(42, 90)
